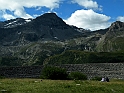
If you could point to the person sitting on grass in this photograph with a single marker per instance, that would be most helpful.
(103, 79)
(107, 79)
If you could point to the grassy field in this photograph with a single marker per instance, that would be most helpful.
(59, 86)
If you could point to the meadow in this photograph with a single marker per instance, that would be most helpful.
(60, 86)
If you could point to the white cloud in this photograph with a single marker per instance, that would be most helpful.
(8, 16)
(86, 3)
(17, 6)
(120, 18)
(88, 19)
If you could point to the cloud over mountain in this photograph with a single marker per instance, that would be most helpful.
(92, 14)
(88, 19)
(120, 18)
(16, 8)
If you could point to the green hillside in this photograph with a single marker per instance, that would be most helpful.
(80, 57)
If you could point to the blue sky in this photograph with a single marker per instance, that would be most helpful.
(87, 14)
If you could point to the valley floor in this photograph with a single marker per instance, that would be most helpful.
(60, 86)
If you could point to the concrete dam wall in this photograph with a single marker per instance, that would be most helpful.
(111, 70)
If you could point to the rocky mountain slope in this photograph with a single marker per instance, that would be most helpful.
(46, 27)
(113, 39)
(31, 41)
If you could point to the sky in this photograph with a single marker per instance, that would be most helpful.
(87, 14)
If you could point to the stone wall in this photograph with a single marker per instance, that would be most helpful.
(21, 72)
(111, 70)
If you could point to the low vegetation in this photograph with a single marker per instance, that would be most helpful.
(60, 86)
(80, 57)
(67, 57)
(77, 76)
(10, 61)
(96, 78)
(56, 73)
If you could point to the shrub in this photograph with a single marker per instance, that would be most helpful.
(96, 78)
(54, 73)
(77, 76)
(2, 77)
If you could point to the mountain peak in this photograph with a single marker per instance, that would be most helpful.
(116, 25)
(51, 20)
(50, 14)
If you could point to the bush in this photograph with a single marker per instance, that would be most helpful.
(54, 73)
(96, 78)
(77, 76)
(2, 77)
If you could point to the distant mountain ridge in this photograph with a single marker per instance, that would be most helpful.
(48, 26)
(113, 39)
(14, 22)
(31, 41)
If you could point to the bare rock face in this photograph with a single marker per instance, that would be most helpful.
(112, 41)
(116, 26)
(51, 20)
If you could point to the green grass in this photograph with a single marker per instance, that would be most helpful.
(59, 86)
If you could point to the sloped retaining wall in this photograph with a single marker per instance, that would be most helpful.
(111, 70)
(21, 72)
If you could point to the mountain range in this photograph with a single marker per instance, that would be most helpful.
(31, 41)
